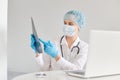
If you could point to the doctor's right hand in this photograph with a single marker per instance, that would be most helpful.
(34, 44)
(50, 48)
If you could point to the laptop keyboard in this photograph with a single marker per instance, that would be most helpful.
(77, 72)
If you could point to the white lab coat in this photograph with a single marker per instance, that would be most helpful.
(70, 60)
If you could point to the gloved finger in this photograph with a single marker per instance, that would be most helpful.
(32, 39)
(50, 43)
(37, 44)
(41, 40)
(47, 49)
(32, 36)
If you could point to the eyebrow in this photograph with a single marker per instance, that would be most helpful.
(70, 22)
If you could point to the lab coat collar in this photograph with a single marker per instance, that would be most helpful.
(74, 44)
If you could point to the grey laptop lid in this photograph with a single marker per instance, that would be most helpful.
(103, 55)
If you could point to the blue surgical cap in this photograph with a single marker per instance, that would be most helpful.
(76, 16)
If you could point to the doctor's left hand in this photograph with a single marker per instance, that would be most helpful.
(50, 48)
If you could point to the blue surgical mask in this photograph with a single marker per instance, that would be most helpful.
(69, 30)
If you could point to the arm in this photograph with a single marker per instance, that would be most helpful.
(44, 61)
(77, 64)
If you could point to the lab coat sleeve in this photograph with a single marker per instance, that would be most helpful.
(44, 62)
(77, 63)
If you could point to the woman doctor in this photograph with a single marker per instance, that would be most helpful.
(69, 52)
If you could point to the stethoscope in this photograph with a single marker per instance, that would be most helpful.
(78, 49)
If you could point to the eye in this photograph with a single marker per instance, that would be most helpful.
(70, 23)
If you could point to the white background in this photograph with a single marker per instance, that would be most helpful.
(48, 17)
(3, 39)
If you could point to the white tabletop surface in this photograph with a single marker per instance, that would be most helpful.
(60, 75)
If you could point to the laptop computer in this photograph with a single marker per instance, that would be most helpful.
(103, 55)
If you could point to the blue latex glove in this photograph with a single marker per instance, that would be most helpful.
(34, 44)
(50, 48)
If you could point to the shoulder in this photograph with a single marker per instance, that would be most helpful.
(83, 44)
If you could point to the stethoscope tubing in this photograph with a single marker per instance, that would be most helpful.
(71, 49)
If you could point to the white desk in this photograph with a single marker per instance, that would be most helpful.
(60, 75)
